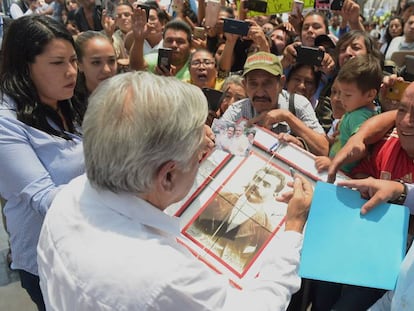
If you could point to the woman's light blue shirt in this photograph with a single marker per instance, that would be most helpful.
(33, 167)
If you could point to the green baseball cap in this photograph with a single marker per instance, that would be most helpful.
(264, 61)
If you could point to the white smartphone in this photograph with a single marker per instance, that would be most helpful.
(212, 13)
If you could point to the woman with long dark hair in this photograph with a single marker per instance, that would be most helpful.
(40, 138)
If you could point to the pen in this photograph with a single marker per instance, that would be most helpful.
(274, 146)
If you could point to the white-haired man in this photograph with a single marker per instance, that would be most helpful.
(106, 243)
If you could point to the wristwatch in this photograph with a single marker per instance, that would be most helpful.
(401, 199)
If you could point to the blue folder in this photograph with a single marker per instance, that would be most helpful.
(341, 245)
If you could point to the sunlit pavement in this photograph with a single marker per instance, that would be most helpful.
(12, 296)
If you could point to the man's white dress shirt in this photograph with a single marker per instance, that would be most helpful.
(104, 251)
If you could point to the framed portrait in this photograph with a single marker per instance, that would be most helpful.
(290, 154)
(237, 216)
(233, 137)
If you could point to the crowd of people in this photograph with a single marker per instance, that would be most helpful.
(98, 137)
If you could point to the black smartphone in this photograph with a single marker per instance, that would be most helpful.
(256, 5)
(147, 9)
(336, 5)
(213, 98)
(236, 26)
(309, 55)
(164, 58)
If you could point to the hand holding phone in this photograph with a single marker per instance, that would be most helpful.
(309, 55)
(110, 7)
(199, 33)
(256, 5)
(164, 59)
(212, 13)
(235, 26)
(147, 9)
(396, 91)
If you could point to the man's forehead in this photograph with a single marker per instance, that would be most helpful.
(175, 33)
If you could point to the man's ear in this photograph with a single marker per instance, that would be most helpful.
(166, 176)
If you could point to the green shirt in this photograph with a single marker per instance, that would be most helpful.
(183, 74)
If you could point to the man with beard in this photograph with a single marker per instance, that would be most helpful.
(272, 107)
(176, 36)
(239, 224)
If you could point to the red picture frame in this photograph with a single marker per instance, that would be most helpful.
(249, 216)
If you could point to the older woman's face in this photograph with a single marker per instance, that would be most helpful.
(203, 70)
(351, 49)
(232, 93)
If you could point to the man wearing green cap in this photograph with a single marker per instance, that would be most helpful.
(268, 105)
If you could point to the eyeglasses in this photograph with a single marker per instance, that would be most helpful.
(206, 62)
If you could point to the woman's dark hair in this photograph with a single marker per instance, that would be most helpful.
(387, 35)
(316, 73)
(27, 38)
(352, 35)
(81, 91)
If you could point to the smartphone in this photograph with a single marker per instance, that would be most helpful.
(236, 26)
(147, 9)
(396, 91)
(164, 58)
(110, 7)
(309, 55)
(213, 98)
(212, 13)
(199, 32)
(336, 5)
(256, 5)
(297, 4)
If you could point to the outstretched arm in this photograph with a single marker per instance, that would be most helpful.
(355, 149)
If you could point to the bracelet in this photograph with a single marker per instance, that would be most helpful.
(401, 199)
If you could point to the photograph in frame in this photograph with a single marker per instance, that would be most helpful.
(234, 225)
(290, 154)
(233, 137)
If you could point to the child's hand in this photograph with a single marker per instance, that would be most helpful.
(322, 163)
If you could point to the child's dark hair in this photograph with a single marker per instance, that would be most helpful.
(363, 70)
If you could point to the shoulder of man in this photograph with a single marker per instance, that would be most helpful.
(241, 108)
(299, 101)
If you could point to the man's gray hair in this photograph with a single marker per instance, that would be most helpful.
(136, 122)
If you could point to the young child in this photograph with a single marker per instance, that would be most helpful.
(359, 81)
(338, 111)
